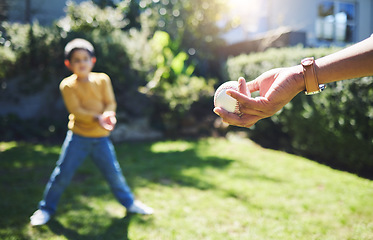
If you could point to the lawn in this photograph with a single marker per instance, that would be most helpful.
(201, 189)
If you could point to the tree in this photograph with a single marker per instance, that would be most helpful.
(4, 5)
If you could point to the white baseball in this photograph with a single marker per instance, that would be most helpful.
(223, 100)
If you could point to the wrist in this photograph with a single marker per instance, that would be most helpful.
(310, 76)
(298, 78)
(97, 117)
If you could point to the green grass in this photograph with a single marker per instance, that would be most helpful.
(204, 189)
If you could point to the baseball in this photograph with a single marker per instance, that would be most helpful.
(223, 100)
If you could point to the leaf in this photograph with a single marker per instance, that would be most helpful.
(177, 64)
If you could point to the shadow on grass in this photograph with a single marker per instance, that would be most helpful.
(25, 169)
(118, 229)
(171, 167)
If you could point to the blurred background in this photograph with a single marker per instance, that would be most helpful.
(166, 58)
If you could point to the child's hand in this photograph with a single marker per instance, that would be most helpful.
(107, 120)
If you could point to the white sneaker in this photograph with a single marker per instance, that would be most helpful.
(39, 217)
(140, 208)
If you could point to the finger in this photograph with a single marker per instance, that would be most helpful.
(105, 125)
(246, 101)
(236, 120)
(253, 106)
(113, 120)
(109, 113)
(108, 127)
(246, 121)
(228, 115)
(224, 114)
(254, 85)
(242, 88)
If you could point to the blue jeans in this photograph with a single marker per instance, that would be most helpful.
(75, 150)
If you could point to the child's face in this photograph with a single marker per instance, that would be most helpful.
(81, 62)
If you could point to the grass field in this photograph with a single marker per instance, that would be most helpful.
(203, 189)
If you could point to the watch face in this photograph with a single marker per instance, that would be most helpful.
(307, 61)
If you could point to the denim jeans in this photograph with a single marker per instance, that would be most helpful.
(75, 150)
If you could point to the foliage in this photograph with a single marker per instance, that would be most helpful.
(170, 77)
(87, 16)
(7, 60)
(334, 127)
(343, 119)
(102, 27)
(206, 189)
(40, 129)
(191, 23)
(28, 48)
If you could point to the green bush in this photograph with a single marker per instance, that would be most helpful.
(32, 130)
(87, 16)
(334, 127)
(28, 49)
(7, 61)
(169, 76)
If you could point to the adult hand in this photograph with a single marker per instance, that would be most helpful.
(276, 88)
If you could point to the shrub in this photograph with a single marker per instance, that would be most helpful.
(170, 79)
(87, 16)
(34, 130)
(7, 60)
(29, 48)
(334, 127)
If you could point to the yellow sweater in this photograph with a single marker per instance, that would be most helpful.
(84, 100)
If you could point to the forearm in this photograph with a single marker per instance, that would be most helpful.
(74, 107)
(352, 62)
(84, 115)
(111, 107)
(109, 97)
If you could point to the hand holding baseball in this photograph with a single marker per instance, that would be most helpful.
(276, 88)
(225, 101)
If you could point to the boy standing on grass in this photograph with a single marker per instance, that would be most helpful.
(90, 100)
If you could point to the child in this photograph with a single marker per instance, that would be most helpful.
(90, 100)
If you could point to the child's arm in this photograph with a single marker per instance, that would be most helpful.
(109, 97)
(73, 105)
(108, 120)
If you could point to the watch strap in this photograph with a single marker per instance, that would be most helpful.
(310, 77)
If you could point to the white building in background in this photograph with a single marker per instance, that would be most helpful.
(324, 21)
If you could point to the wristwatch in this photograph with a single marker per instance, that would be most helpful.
(310, 77)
